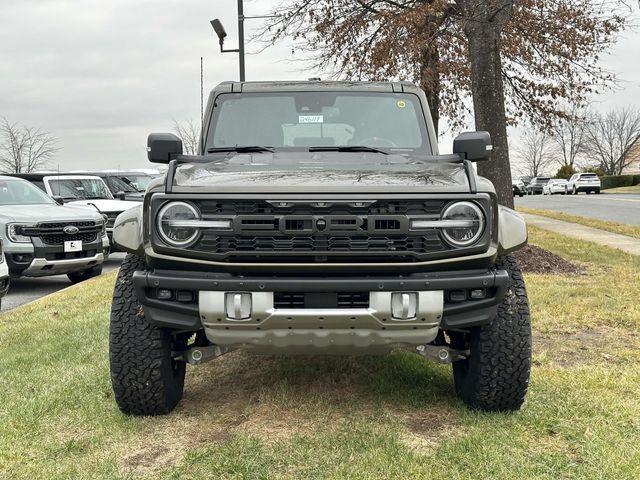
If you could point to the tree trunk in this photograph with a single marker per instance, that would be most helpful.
(430, 80)
(483, 28)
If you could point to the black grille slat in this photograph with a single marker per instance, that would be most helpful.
(286, 300)
(52, 233)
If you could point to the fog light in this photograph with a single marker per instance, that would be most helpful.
(457, 295)
(478, 294)
(164, 294)
(404, 305)
(238, 306)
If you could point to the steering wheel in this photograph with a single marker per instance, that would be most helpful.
(377, 142)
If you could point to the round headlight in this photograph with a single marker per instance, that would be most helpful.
(173, 223)
(469, 224)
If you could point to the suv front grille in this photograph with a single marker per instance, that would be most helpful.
(312, 231)
(53, 233)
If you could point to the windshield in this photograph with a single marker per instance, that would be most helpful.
(16, 192)
(79, 188)
(119, 184)
(388, 121)
(139, 182)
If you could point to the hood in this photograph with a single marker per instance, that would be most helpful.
(104, 205)
(325, 172)
(46, 213)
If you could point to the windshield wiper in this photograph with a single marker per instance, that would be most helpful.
(347, 148)
(241, 149)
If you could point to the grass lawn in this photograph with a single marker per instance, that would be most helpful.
(633, 189)
(315, 417)
(615, 227)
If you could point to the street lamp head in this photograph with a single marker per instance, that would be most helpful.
(219, 29)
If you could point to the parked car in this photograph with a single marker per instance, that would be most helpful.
(87, 191)
(536, 185)
(555, 185)
(584, 182)
(5, 280)
(42, 238)
(124, 185)
(518, 187)
(318, 217)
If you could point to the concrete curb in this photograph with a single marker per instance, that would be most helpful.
(613, 240)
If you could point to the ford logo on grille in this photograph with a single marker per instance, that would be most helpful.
(70, 230)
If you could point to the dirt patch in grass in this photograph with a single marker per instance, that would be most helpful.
(425, 430)
(586, 347)
(533, 259)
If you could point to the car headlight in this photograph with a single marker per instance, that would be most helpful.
(178, 223)
(469, 224)
(14, 233)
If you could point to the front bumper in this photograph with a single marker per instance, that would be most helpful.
(198, 300)
(41, 267)
(38, 259)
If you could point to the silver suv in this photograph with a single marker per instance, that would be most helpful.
(42, 238)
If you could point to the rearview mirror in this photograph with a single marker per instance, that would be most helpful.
(121, 195)
(473, 146)
(59, 200)
(163, 147)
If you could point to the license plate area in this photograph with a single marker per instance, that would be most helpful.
(73, 246)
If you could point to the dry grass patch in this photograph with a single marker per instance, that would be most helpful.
(608, 226)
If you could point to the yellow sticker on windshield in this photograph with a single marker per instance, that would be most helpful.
(402, 104)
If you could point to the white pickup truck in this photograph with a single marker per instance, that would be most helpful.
(42, 238)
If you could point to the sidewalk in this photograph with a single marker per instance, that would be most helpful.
(614, 240)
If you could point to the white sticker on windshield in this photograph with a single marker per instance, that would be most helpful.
(311, 119)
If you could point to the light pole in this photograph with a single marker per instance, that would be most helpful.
(222, 34)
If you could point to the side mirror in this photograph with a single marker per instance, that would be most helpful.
(163, 147)
(473, 146)
(121, 195)
(59, 200)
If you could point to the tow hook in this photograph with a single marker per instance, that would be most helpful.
(441, 354)
(199, 355)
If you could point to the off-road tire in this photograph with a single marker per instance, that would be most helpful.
(77, 277)
(145, 377)
(495, 377)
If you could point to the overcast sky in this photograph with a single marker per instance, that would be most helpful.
(100, 75)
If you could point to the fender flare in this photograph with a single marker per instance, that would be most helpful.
(512, 230)
(128, 230)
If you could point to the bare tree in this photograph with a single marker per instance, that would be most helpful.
(24, 149)
(534, 152)
(189, 133)
(568, 134)
(609, 137)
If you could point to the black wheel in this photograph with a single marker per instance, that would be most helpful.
(77, 277)
(495, 377)
(146, 379)
(575, 191)
(598, 192)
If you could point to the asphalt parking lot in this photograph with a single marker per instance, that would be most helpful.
(621, 208)
(25, 290)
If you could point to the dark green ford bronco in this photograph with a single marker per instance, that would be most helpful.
(319, 218)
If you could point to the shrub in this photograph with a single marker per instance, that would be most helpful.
(565, 172)
(614, 181)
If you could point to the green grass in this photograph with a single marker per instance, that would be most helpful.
(621, 228)
(633, 189)
(321, 417)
